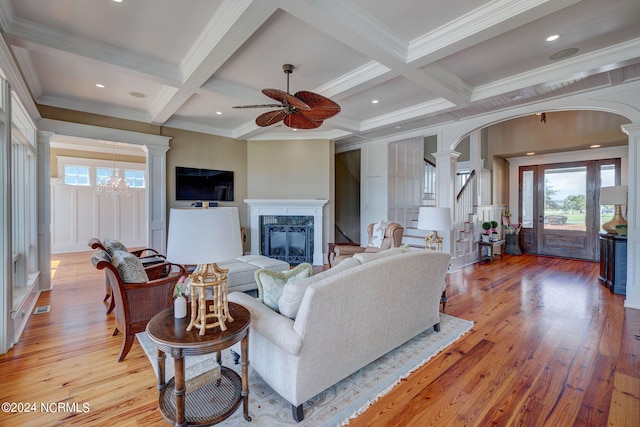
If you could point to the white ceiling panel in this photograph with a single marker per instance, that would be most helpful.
(426, 61)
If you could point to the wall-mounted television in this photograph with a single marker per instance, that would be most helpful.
(204, 184)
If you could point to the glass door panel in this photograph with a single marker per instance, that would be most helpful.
(565, 199)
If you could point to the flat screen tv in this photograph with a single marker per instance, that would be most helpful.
(204, 184)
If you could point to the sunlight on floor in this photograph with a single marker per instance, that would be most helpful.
(54, 266)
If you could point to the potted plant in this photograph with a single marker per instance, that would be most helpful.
(494, 231)
(486, 226)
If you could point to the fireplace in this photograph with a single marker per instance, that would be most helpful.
(289, 243)
(288, 212)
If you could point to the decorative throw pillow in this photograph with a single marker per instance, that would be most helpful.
(377, 235)
(271, 283)
(113, 245)
(129, 267)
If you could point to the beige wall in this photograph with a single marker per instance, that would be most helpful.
(289, 169)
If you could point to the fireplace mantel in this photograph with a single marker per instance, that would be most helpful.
(287, 207)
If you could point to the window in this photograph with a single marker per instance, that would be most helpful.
(135, 179)
(102, 174)
(76, 175)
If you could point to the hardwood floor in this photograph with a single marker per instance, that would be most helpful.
(550, 347)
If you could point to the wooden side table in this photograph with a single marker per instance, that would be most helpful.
(491, 246)
(213, 402)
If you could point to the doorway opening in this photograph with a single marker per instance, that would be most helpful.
(347, 185)
(560, 207)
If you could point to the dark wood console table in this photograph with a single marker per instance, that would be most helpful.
(613, 262)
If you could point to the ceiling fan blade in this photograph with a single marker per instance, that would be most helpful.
(297, 120)
(258, 106)
(286, 98)
(321, 108)
(270, 117)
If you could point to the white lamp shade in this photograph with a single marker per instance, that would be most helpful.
(203, 236)
(430, 218)
(613, 195)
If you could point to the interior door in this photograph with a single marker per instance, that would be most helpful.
(560, 209)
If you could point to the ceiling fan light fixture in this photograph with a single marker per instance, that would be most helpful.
(304, 110)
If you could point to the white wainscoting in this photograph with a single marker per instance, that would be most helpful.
(78, 214)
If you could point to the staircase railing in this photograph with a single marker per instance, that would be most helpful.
(464, 207)
(343, 234)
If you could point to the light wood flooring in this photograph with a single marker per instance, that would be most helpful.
(550, 347)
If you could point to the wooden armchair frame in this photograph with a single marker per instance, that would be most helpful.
(149, 257)
(136, 303)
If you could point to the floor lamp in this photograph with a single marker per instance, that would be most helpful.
(204, 237)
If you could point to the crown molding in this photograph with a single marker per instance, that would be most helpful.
(40, 36)
(361, 75)
(225, 17)
(364, 24)
(407, 114)
(561, 71)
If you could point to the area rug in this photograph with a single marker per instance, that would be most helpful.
(337, 405)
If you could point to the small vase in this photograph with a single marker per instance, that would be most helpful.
(485, 237)
(180, 307)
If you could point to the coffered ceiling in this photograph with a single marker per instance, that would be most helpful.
(185, 64)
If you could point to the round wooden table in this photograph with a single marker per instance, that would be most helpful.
(214, 402)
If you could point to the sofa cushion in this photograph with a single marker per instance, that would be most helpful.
(261, 261)
(293, 293)
(271, 283)
(112, 246)
(371, 256)
(239, 272)
(129, 266)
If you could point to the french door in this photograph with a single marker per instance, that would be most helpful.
(560, 209)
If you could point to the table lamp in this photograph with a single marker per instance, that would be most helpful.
(432, 218)
(616, 196)
(204, 237)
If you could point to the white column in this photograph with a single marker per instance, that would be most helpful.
(157, 197)
(445, 191)
(44, 210)
(633, 220)
(6, 272)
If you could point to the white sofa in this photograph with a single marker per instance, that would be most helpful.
(349, 316)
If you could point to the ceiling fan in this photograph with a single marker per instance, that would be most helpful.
(304, 110)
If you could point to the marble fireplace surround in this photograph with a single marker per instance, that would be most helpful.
(287, 207)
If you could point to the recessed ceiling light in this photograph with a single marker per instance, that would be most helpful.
(564, 53)
(553, 38)
(118, 1)
(595, 146)
(295, 130)
(100, 85)
(137, 95)
(530, 153)
(398, 127)
(219, 113)
(374, 101)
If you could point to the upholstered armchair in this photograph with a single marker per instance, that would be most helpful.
(392, 239)
(137, 299)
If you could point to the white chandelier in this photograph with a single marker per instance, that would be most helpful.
(114, 186)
